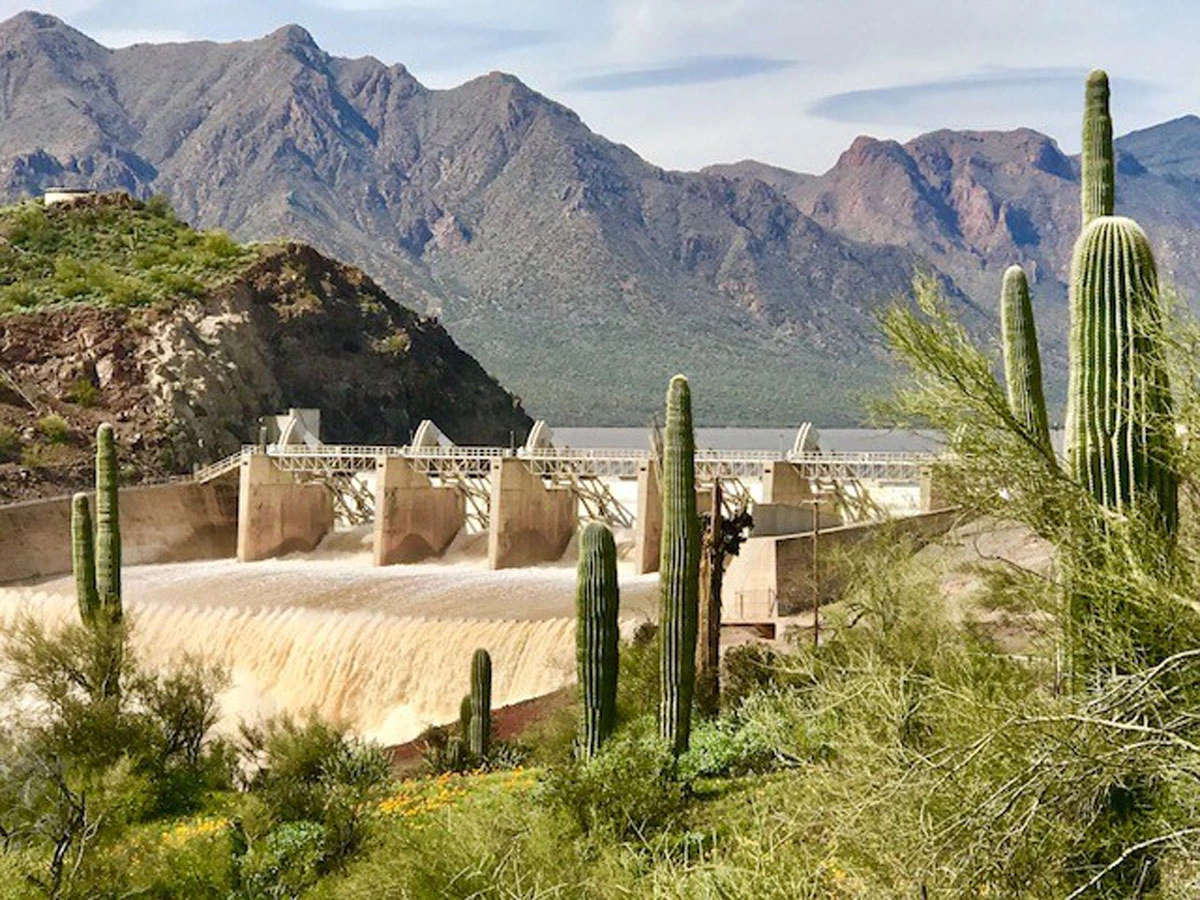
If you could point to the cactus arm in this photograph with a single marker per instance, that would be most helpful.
(83, 558)
(1022, 360)
(1097, 180)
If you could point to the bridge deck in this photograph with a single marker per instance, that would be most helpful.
(476, 462)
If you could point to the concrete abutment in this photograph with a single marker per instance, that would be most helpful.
(414, 518)
(528, 523)
(276, 513)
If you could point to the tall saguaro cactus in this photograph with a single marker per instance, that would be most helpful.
(1118, 442)
(679, 570)
(1097, 171)
(108, 525)
(1022, 361)
(83, 558)
(481, 704)
(596, 605)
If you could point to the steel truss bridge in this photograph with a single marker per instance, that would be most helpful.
(585, 472)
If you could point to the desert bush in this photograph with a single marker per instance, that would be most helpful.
(285, 863)
(54, 428)
(627, 791)
(315, 772)
(10, 443)
(83, 392)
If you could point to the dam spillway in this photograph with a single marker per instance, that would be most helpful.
(384, 650)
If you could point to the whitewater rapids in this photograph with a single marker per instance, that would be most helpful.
(386, 651)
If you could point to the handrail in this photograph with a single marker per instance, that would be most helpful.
(565, 455)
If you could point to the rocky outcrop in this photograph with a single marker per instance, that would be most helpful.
(187, 385)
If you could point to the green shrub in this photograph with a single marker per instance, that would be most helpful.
(10, 443)
(34, 456)
(626, 791)
(745, 670)
(83, 392)
(285, 863)
(316, 772)
(54, 428)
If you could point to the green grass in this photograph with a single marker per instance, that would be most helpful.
(110, 252)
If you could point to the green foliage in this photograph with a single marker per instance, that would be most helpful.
(54, 428)
(90, 763)
(315, 773)
(109, 252)
(626, 791)
(284, 863)
(596, 635)
(679, 569)
(480, 731)
(83, 392)
(10, 443)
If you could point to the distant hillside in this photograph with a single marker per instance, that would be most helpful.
(114, 310)
(578, 273)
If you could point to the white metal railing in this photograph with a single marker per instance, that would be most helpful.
(598, 461)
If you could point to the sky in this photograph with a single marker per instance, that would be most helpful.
(687, 83)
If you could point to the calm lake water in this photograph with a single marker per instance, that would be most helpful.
(846, 440)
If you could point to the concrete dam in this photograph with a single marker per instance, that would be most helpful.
(357, 581)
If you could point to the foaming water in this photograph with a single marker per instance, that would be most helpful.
(385, 650)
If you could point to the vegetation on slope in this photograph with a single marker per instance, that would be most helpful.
(113, 252)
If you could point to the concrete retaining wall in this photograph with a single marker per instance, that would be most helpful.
(774, 576)
(160, 523)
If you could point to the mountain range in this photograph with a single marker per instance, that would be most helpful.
(577, 273)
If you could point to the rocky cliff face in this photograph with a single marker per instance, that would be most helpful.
(186, 384)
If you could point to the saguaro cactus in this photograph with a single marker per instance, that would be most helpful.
(83, 558)
(1096, 163)
(1022, 361)
(1118, 442)
(481, 704)
(596, 605)
(108, 525)
(679, 570)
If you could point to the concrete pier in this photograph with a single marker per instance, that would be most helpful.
(647, 532)
(786, 484)
(414, 519)
(277, 514)
(528, 523)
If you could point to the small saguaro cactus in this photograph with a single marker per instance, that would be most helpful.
(596, 606)
(679, 570)
(83, 558)
(1097, 172)
(481, 704)
(1119, 422)
(1022, 361)
(108, 525)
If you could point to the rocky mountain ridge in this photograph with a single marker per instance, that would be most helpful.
(578, 273)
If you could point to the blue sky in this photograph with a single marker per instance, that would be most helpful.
(690, 82)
